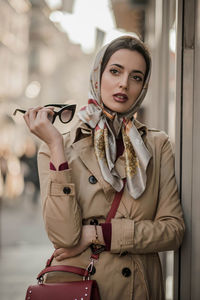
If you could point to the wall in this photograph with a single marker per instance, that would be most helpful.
(188, 123)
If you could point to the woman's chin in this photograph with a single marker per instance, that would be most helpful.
(116, 108)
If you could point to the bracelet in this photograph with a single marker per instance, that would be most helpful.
(96, 245)
(96, 241)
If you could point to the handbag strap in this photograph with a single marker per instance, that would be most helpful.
(115, 204)
(112, 212)
(77, 270)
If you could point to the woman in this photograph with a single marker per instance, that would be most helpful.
(87, 168)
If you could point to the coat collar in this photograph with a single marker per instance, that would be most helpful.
(140, 127)
(81, 129)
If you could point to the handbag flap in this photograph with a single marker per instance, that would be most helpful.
(75, 290)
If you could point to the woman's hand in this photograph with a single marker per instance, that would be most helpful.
(88, 235)
(39, 124)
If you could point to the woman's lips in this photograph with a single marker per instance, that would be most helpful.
(119, 97)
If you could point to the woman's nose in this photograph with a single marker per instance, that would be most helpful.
(124, 82)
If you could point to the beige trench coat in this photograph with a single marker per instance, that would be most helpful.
(140, 229)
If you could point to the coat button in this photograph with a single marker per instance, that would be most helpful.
(66, 190)
(94, 222)
(92, 179)
(126, 272)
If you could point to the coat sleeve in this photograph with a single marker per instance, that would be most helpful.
(61, 211)
(166, 231)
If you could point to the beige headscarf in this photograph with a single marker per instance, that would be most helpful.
(136, 154)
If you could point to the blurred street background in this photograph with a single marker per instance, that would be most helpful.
(24, 248)
(46, 51)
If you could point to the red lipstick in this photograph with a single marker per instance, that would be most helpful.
(120, 97)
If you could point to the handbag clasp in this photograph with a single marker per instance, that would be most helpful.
(89, 270)
(41, 280)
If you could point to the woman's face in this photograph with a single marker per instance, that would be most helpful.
(122, 80)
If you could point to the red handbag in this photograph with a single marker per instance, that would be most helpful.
(64, 291)
(74, 290)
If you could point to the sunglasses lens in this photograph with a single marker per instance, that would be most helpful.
(66, 116)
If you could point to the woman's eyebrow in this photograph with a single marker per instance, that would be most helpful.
(137, 71)
(117, 65)
(133, 71)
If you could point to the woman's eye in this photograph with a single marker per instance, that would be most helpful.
(137, 78)
(114, 71)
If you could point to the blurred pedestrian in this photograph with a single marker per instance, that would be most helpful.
(29, 164)
(81, 172)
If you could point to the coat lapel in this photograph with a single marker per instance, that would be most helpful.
(85, 150)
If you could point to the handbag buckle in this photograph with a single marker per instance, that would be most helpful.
(41, 280)
(89, 270)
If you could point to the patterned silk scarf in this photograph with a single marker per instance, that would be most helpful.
(103, 122)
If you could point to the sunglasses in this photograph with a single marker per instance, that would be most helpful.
(66, 113)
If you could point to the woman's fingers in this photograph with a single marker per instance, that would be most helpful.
(59, 251)
(39, 123)
(37, 118)
(43, 116)
(84, 243)
(33, 113)
(61, 254)
(30, 115)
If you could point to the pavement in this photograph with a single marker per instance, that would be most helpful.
(24, 247)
